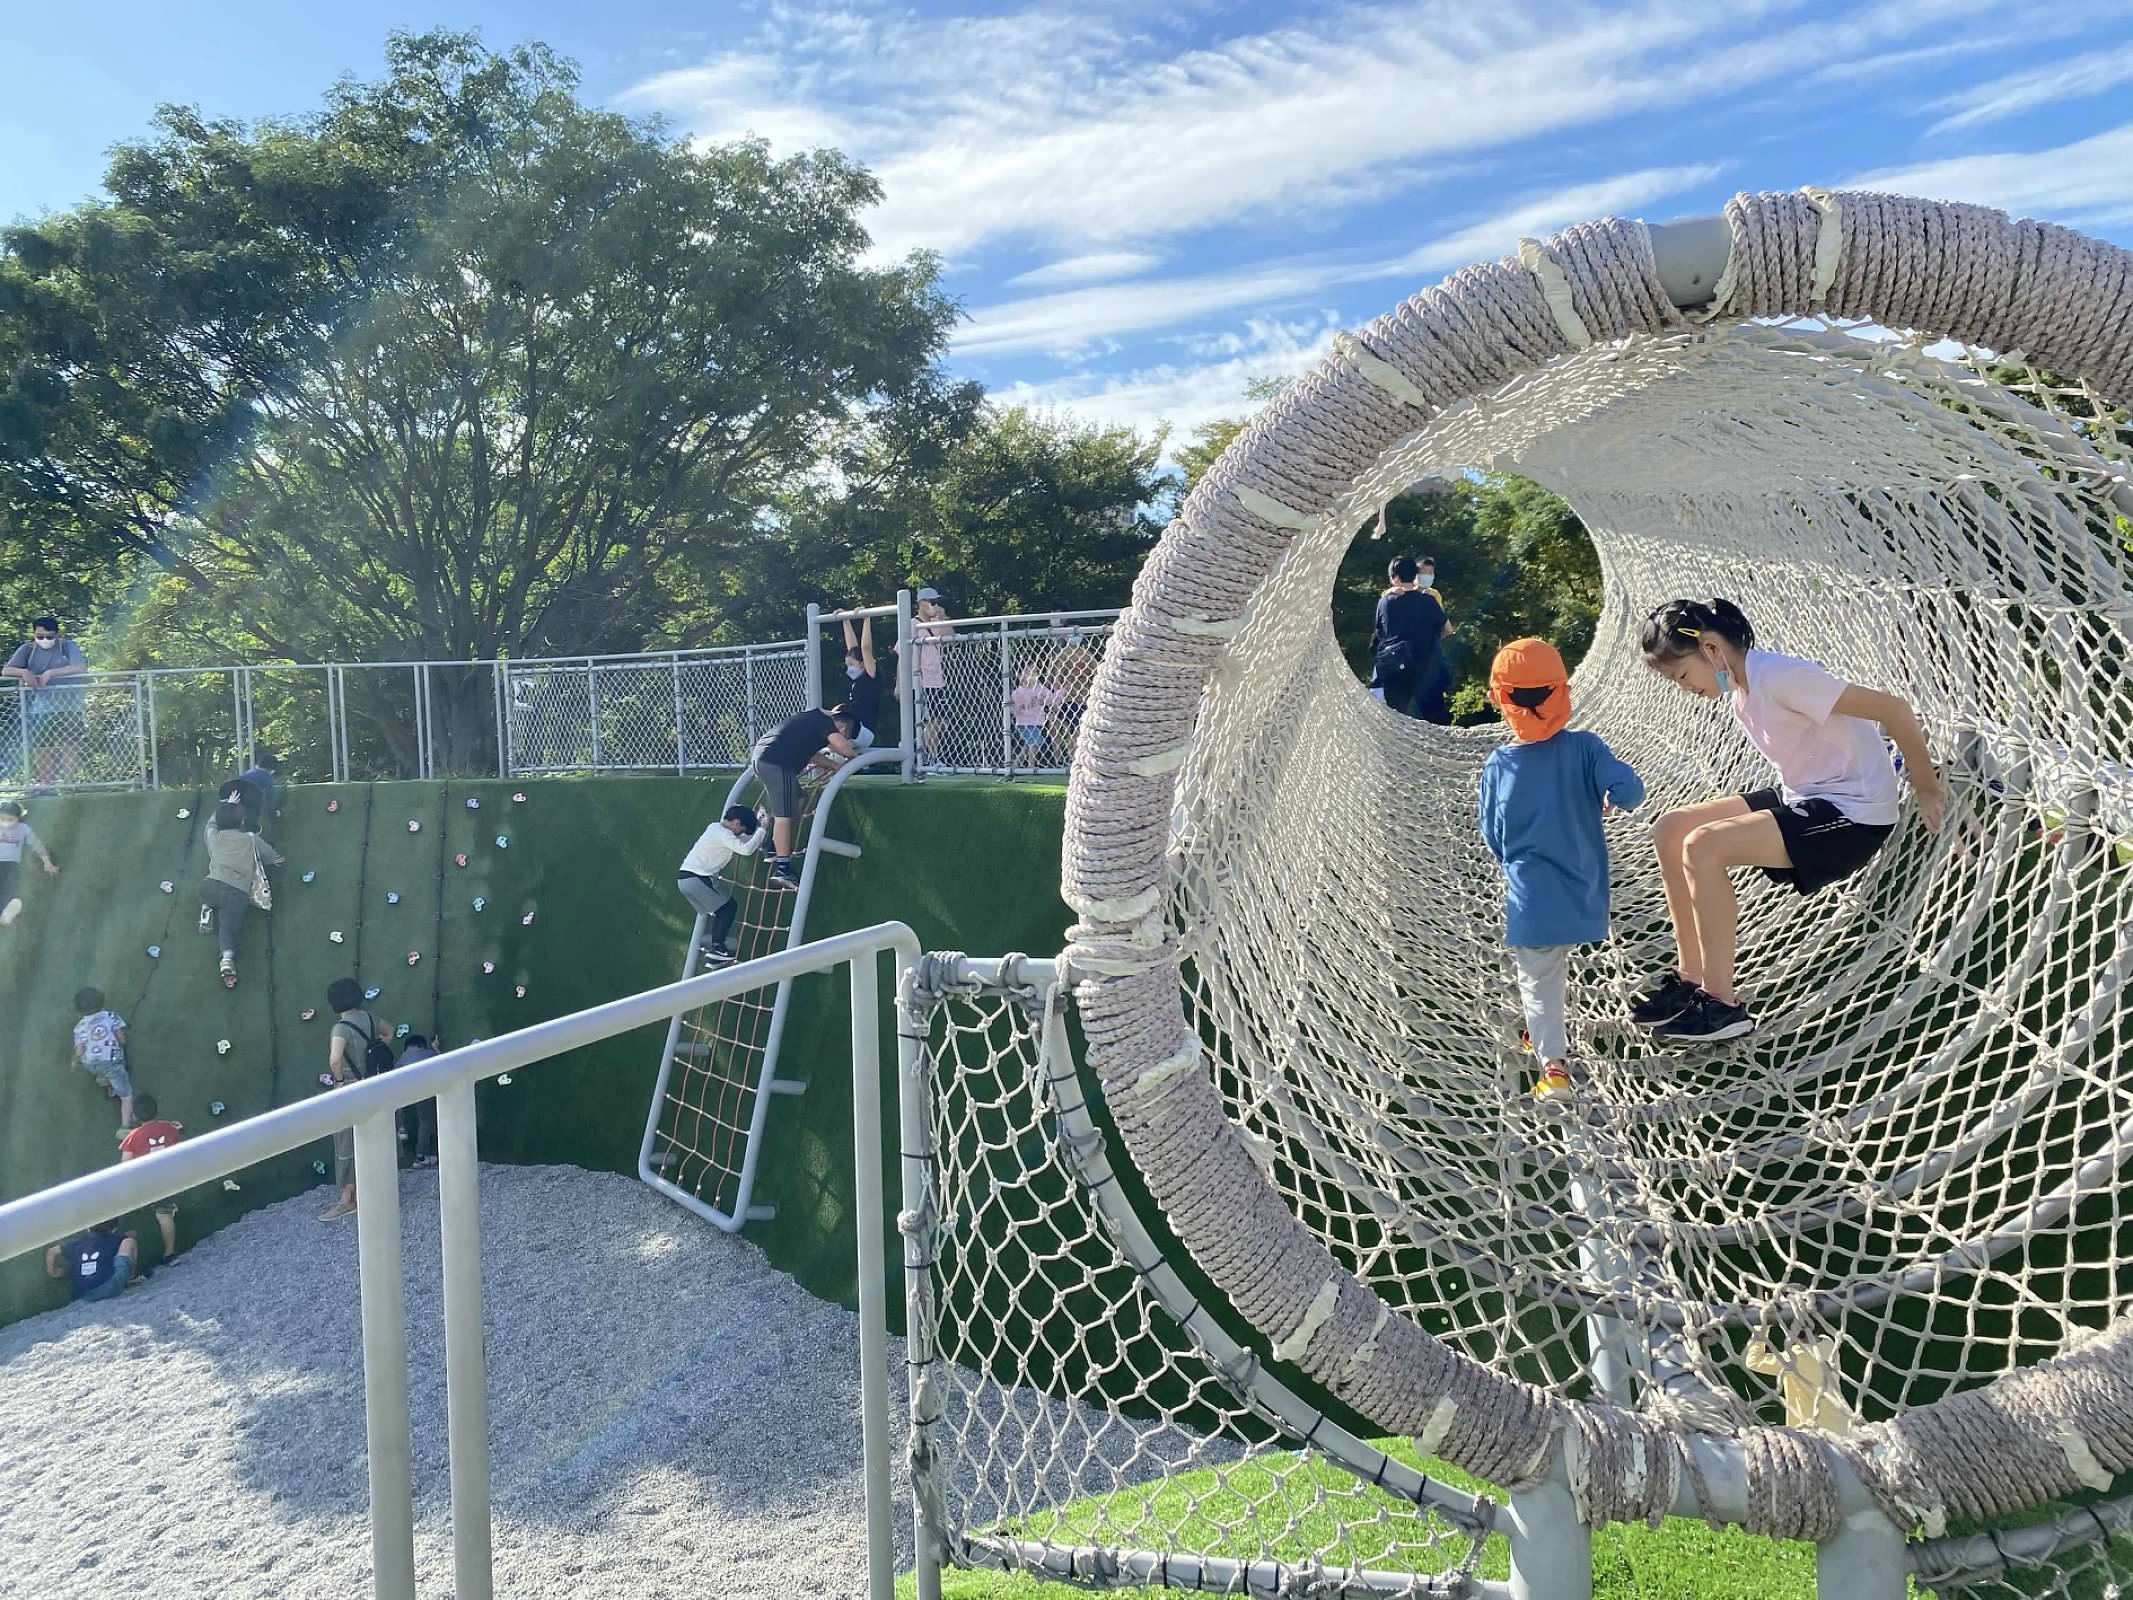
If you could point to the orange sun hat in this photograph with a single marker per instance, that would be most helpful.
(1531, 671)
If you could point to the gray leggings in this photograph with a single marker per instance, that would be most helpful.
(709, 897)
(230, 905)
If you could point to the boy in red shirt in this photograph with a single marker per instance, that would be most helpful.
(145, 1138)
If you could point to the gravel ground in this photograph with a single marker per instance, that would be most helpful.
(668, 1414)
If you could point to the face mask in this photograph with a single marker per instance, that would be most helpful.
(1725, 682)
(1425, 580)
(43, 643)
(852, 673)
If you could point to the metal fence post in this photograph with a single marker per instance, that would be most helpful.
(906, 690)
(681, 735)
(500, 693)
(155, 758)
(592, 707)
(748, 693)
(811, 660)
(140, 731)
(237, 712)
(1007, 715)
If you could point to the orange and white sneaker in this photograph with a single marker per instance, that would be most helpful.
(1554, 1084)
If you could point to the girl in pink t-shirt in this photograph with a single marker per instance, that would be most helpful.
(1032, 702)
(1835, 804)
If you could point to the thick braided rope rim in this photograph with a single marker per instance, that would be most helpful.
(1963, 272)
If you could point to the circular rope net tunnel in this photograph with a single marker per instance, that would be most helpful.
(1886, 1238)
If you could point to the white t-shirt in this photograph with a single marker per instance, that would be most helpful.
(707, 858)
(1785, 710)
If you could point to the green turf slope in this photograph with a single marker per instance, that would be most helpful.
(591, 861)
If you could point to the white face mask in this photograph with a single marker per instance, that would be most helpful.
(852, 673)
(1424, 580)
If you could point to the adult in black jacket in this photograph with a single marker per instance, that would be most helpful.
(1407, 645)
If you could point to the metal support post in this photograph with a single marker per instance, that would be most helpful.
(873, 1288)
(465, 1375)
(1551, 1551)
(811, 659)
(392, 1496)
(155, 755)
(592, 706)
(681, 732)
(906, 685)
(1007, 715)
(914, 1113)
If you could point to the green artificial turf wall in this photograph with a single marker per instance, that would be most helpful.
(969, 865)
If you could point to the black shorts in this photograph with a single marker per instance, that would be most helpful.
(1825, 845)
(7, 881)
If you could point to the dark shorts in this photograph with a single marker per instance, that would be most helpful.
(932, 704)
(782, 786)
(1825, 845)
(7, 880)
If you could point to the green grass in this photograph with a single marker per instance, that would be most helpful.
(1681, 1558)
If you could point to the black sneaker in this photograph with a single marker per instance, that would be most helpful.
(785, 876)
(1708, 1020)
(717, 955)
(1673, 996)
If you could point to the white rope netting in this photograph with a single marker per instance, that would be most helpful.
(1901, 1202)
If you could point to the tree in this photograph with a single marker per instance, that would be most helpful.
(1004, 508)
(457, 367)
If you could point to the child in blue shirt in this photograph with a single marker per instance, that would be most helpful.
(1542, 800)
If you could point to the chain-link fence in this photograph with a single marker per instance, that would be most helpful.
(90, 733)
(1005, 695)
(675, 712)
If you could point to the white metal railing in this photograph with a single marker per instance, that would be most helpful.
(370, 1106)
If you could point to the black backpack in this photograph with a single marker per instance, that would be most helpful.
(377, 1054)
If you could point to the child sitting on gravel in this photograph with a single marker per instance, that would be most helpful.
(100, 1049)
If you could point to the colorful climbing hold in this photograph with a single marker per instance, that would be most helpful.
(335, 936)
(392, 897)
(325, 1082)
(371, 993)
(155, 952)
(307, 1013)
(519, 989)
(526, 921)
(460, 859)
(503, 841)
(319, 1167)
(166, 886)
(473, 802)
(488, 966)
(309, 876)
(229, 1186)
(504, 1081)
(215, 1108)
(413, 826)
(479, 902)
(519, 798)
(183, 813)
(333, 805)
(400, 1032)
(222, 1047)
(413, 956)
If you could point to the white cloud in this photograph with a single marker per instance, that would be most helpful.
(1088, 128)
(1069, 320)
(2065, 79)
(1087, 269)
(2089, 182)
(1185, 396)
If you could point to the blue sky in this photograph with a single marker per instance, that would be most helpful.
(1142, 205)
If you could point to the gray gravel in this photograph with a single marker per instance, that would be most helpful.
(668, 1414)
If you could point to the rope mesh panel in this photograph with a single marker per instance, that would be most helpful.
(1900, 1202)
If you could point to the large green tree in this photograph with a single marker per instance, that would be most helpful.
(456, 367)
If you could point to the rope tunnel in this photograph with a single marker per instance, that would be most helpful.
(1903, 1197)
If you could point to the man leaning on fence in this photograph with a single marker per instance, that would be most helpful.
(49, 668)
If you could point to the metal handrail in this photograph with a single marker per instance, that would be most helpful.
(369, 1107)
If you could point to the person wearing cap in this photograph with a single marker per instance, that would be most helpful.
(932, 627)
(1543, 799)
